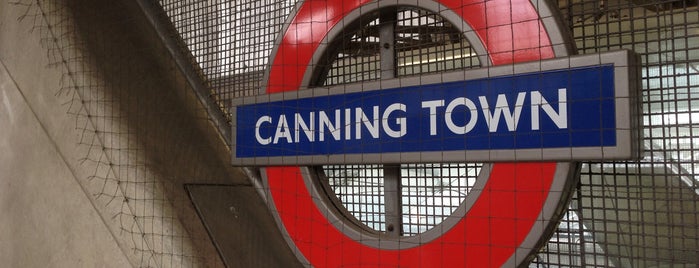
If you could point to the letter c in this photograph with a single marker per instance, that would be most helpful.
(260, 140)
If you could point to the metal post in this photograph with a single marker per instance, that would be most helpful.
(392, 184)
(392, 200)
(387, 26)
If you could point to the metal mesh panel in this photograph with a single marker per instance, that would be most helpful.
(625, 214)
(358, 55)
(121, 101)
(229, 41)
(360, 189)
(641, 213)
(426, 43)
(431, 193)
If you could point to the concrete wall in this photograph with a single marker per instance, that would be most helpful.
(99, 135)
(47, 218)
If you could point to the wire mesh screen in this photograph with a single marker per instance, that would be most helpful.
(427, 43)
(431, 193)
(424, 43)
(113, 84)
(229, 41)
(641, 213)
(360, 189)
(357, 56)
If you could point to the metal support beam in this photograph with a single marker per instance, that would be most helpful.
(387, 28)
(392, 185)
(392, 191)
(392, 200)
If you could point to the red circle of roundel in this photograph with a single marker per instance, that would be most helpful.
(512, 198)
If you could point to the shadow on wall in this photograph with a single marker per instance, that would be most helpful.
(141, 132)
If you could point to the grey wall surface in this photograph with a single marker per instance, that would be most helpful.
(47, 219)
(99, 134)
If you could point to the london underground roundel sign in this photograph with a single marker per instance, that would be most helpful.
(513, 206)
